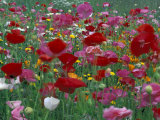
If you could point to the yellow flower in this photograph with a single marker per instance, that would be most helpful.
(90, 78)
(1, 62)
(55, 70)
(1, 40)
(28, 49)
(89, 74)
(142, 63)
(39, 62)
(32, 84)
(48, 19)
(37, 77)
(72, 36)
(85, 75)
(112, 73)
(113, 102)
(51, 29)
(78, 61)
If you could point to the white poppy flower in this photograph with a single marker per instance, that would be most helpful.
(51, 103)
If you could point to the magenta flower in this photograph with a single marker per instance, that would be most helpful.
(139, 73)
(84, 10)
(120, 44)
(153, 98)
(123, 73)
(28, 75)
(62, 20)
(125, 58)
(113, 113)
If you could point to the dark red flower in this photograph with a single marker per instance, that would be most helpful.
(15, 37)
(57, 46)
(12, 69)
(13, 23)
(94, 39)
(90, 28)
(142, 43)
(68, 68)
(100, 75)
(43, 5)
(74, 6)
(45, 58)
(128, 81)
(44, 68)
(69, 85)
(145, 28)
(13, 9)
(156, 113)
(134, 12)
(67, 58)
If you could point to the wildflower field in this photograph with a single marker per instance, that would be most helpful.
(79, 60)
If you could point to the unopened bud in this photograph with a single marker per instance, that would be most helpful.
(148, 89)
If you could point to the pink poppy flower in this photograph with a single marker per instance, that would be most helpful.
(125, 58)
(16, 113)
(139, 73)
(113, 113)
(123, 73)
(13, 104)
(84, 10)
(153, 98)
(28, 75)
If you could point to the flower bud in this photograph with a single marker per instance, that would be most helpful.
(148, 89)
(102, 86)
(28, 110)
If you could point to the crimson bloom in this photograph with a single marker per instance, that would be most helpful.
(156, 113)
(57, 46)
(145, 28)
(12, 69)
(69, 85)
(15, 37)
(142, 43)
(94, 39)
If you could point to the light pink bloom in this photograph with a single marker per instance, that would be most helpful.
(28, 75)
(123, 73)
(113, 113)
(13, 104)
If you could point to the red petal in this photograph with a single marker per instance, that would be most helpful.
(57, 46)
(12, 69)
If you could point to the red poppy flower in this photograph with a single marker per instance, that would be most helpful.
(69, 85)
(44, 68)
(12, 69)
(67, 58)
(90, 28)
(13, 23)
(68, 68)
(128, 81)
(100, 75)
(13, 9)
(57, 46)
(101, 61)
(15, 37)
(145, 28)
(134, 12)
(45, 58)
(142, 43)
(156, 113)
(48, 90)
(94, 39)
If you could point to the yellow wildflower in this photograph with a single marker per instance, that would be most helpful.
(32, 84)
(72, 36)
(1, 40)
(27, 63)
(48, 19)
(113, 102)
(37, 77)
(39, 62)
(78, 61)
(90, 78)
(112, 73)
(51, 29)
(85, 75)
(55, 70)
(89, 74)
